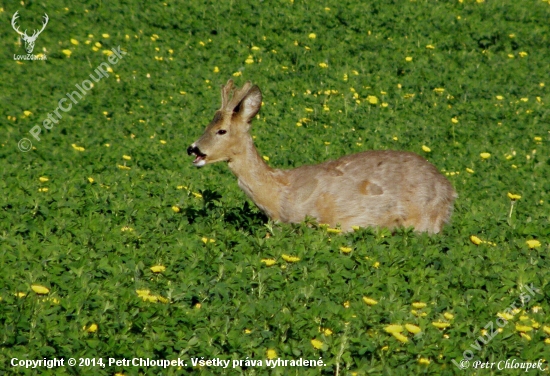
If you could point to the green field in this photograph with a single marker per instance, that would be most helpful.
(109, 192)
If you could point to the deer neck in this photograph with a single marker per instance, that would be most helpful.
(261, 183)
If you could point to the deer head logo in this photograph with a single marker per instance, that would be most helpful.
(29, 40)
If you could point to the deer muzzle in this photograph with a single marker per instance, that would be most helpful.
(199, 156)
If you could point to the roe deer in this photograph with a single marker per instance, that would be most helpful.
(373, 188)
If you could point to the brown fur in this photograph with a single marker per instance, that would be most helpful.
(372, 188)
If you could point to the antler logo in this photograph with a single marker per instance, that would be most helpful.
(29, 40)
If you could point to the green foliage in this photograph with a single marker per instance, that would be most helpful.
(375, 75)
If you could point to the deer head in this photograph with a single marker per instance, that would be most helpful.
(29, 40)
(227, 134)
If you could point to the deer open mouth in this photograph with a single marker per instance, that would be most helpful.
(199, 156)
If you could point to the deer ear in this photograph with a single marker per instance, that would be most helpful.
(250, 104)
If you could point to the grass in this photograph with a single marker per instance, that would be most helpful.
(460, 78)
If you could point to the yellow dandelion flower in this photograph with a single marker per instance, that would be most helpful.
(43, 179)
(505, 315)
(400, 337)
(394, 328)
(474, 239)
(204, 240)
(289, 258)
(74, 41)
(247, 331)
(40, 290)
(21, 294)
(142, 292)
(237, 74)
(372, 99)
(127, 157)
(271, 354)
(216, 70)
(345, 249)
(346, 304)
(197, 195)
(454, 120)
(511, 56)
(91, 180)
(424, 361)
(408, 58)
(92, 328)
(334, 230)
(27, 113)
(67, 52)
(439, 90)
(176, 209)
(323, 65)
(430, 47)
(499, 97)
(469, 170)
(524, 99)
(369, 301)
(327, 332)
(249, 60)
(413, 329)
(163, 142)
(43, 189)
(150, 298)
(426, 149)
(533, 243)
(448, 315)
(158, 268)
(441, 325)
(105, 35)
(546, 329)
(266, 158)
(526, 336)
(419, 305)
(312, 36)
(77, 148)
(523, 54)
(126, 229)
(485, 155)
(317, 344)
(255, 48)
(376, 265)
(537, 138)
(109, 53)
(124, 167)
(268, 262)
(523, 328)
(514, 197)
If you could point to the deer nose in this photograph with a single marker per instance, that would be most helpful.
(193, 150)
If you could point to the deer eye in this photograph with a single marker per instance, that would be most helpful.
(221, 131)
